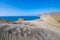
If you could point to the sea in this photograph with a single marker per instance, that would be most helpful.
(15, 18)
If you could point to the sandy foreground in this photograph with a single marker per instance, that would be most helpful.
(42, 31)
(53, 32)
(44, 25)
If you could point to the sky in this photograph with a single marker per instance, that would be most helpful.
(28, 7)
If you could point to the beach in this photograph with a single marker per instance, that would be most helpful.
(39, 29)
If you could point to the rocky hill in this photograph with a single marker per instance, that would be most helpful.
(56, 15)
(53, 18)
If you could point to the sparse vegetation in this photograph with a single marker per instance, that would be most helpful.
(58, 21)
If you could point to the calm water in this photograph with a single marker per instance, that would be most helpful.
(15, 18)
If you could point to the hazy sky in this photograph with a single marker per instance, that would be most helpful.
(28, 7)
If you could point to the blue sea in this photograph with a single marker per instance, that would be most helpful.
(15, 18)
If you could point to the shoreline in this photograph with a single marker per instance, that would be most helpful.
(40, 24)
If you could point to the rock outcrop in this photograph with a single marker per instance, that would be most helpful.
(23, 32)
(5, 21)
